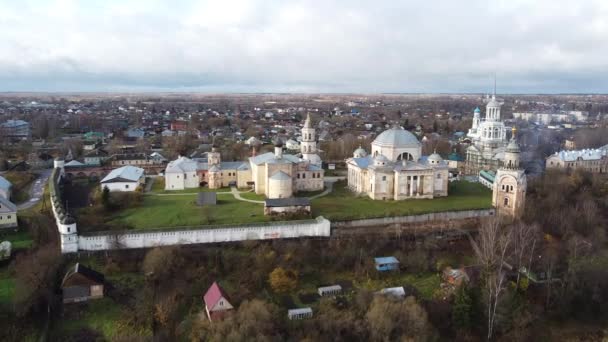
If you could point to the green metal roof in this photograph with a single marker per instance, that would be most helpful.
(489, 175)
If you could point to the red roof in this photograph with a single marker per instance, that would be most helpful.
(213, 295)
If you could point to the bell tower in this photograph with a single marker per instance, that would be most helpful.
(510, 184)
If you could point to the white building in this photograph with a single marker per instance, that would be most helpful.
(5, 188)
(181, 174)
(275, 175)
(510, 184)
(546, 118)
(300, 313)
(396, 170)
(592, 160)
(489, 139)
(126, 178)
(8, 213)
(17, 129)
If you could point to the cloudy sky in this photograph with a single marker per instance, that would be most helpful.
(304, 46)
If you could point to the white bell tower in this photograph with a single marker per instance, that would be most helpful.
(308, 145)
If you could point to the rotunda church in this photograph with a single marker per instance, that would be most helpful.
(395, 169)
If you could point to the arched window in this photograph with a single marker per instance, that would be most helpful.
(405, 156)
(506, 201)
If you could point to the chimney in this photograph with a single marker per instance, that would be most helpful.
(278, 151)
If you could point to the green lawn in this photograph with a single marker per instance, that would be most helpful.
(174, 211)
(7, 288)
(253, 196)
(159, 187)
(308, 193)
(19, 239)
(104, 316)
(342, 204)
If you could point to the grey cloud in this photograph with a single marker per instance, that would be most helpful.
(330, 46)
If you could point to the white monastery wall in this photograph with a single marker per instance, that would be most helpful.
(145, 239)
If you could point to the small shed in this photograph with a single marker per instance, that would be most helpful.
(332, 290)
(5, 250)
(81, 284)
(300, 313)
(273, 206)
(206, 198)
(395, 292)
(386, 264)
(216, 302)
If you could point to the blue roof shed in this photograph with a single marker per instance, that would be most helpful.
(386, 264)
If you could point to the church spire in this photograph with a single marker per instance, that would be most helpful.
(494, 93)
(307, 123)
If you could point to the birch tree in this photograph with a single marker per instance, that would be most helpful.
(492, 248)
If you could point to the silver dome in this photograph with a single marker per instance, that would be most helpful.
(396, 137)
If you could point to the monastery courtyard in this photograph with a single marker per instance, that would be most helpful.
(168, 209)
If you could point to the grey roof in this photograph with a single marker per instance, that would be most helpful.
(126, 173)
(231, 165)
(363, 162)
(7, 206)
(287, 202)
(14, 123)
(5, 184)
(280, 175)
(299, 311)
(314, 167)
(86, 272)
(269, 157)
(206, 198)
(74, 163)
(396, 137)
(596, 154)
(181, 165)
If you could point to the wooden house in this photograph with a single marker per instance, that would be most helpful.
(81, 284)
(216, 302)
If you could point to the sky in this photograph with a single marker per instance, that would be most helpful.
(327, 46)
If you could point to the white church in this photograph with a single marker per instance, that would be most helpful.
(488, 137)
(273, 174)
(396, 169)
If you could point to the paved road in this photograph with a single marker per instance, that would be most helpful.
(237, 194)
(36, 190)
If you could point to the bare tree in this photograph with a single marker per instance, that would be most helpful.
(524, 242)
(492, 248)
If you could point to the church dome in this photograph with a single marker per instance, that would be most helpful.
(360, 153)
(380, 160)
(513, 146)
(477, 110)
(493, 102)
(435, 158)
(397, 138)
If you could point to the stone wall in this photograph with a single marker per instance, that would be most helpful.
(431, 217)
(319, 227)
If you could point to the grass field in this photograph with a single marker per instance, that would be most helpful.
(19, 239)
(7, 287)
(104, 316)
(159, 187)
(342, 204)
(174, 211)
(253, 196)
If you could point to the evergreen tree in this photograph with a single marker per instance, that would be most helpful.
(105, 198)
(462, 309)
